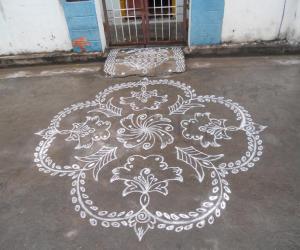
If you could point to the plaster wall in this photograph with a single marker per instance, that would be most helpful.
(294, 35)
(248, 21)
(32, 26)
(290, 29)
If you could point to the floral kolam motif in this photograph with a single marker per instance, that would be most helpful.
(163, 152)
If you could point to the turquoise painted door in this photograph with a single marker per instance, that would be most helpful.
(83, 25)
(206, 22)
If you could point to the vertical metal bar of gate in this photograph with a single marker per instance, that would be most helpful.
(134, 13)
(144, 20)
(114, 19)
(169, 13)
(162, 18)
(184, 25)
(121, 20)
(176, 29)
(152, 21)
(127, 16)
(155, 19)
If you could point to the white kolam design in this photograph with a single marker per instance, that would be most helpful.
(145, 131)
(143, 59)
(145, 153)
(205, 129)
(85, 133)
(144, 99)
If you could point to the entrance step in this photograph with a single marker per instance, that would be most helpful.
(144, 62)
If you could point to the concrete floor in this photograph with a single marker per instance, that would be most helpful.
(36, 210)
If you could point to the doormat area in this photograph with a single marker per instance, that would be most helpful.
(144, 61)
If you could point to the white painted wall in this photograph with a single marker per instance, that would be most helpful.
(294, 34)
(251, 20)
(290, 29)
(100, 18)
(257, 20)
(28, 26)
(32, 26)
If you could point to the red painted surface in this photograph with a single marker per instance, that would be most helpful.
(81, 43)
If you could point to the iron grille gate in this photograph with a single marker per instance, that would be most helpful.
(145, 22)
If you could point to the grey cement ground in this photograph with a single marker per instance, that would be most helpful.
(264, 209)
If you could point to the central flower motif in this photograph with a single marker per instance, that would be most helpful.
(144, 130)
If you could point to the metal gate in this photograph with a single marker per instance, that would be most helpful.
(145, 22)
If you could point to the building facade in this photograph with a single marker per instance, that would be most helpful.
(33, 26)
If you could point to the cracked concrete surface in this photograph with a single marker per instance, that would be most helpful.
(36, 210)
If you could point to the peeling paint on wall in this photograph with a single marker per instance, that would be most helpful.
(81, 43)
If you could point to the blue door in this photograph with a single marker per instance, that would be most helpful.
(83, 25)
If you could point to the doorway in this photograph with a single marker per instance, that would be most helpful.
(145, 22)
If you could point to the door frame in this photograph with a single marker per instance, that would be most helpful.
(145, 27)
